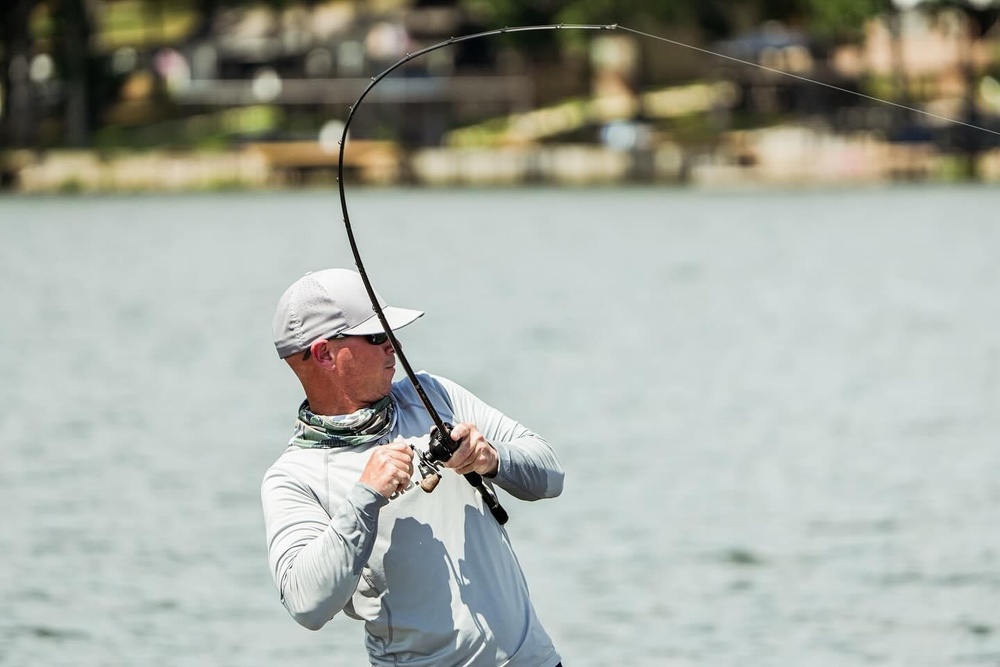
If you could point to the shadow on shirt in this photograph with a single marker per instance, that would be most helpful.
(423, 561)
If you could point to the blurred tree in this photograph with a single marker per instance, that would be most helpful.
(518, 12)
(830, 20)
(635, 13)
(980, 16)
(18, 124)
(208, 10)
(75, 63)
(698, 21)
(837, 19)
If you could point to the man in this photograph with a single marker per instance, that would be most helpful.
(432, 575)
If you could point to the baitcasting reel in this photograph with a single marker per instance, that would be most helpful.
(440, 447)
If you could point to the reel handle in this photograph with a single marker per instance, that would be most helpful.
(430, 482)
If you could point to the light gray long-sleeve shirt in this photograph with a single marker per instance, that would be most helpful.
(433, 576)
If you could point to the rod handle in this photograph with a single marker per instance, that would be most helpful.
(489, 498)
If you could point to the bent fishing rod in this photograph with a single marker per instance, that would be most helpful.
(441, 446)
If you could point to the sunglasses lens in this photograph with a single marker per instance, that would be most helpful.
(378, 339)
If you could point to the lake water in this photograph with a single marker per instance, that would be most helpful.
(779, 413)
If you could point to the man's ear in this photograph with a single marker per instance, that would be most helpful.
(322, 352)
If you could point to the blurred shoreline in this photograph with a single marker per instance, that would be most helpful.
(209, 98)
(779, 156)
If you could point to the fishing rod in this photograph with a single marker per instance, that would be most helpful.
(441, 446)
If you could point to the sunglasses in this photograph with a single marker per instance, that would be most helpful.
(373, 339)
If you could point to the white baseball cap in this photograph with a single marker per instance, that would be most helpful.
(329, 303)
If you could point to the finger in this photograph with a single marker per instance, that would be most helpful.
(395, 454)
(462, 457)
(470, 462)
(463, 448)
(486, 461)
(460, 431)
(396, 467)
(398, 446)
(472, 466)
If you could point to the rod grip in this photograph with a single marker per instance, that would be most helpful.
(489, 498)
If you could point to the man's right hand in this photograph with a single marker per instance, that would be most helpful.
(390, 468)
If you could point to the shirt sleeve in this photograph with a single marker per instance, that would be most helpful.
(316, 559)
(529, 468)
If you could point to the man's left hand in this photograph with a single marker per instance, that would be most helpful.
(474, 453)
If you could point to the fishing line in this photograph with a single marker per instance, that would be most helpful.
(441, 428)
(805, 78)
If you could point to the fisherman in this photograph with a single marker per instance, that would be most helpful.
(433, 575)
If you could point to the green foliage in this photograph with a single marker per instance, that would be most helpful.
(841, 19)
(632, 12)
(835, 19)
(635, 12)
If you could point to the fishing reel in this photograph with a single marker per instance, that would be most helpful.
(440, 448)
(432, 460)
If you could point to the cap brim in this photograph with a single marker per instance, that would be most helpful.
(396, 317)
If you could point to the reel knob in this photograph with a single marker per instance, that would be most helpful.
(430, 482)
